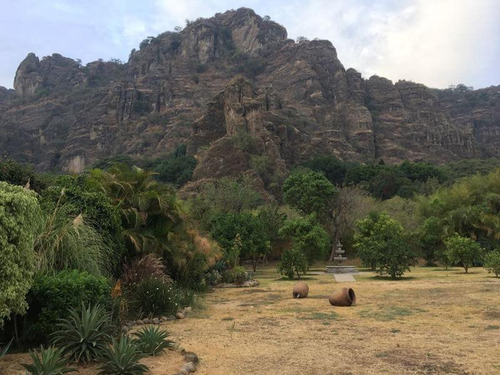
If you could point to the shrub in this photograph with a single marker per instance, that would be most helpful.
(85, 334)
(122, 358)
(152, 340)
(48, 361)
(463, 250)
(292, 262)
(153, 297)
(52, 296)
(236, 275)
(492, 262)
(19, 214)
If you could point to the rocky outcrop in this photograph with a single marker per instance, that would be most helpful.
(244, 98)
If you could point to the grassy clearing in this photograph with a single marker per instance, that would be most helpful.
(436, 322)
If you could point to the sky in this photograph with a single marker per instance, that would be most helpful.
(435, 42)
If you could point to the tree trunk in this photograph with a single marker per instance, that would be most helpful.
(254, 263)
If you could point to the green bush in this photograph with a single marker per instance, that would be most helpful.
(492, 262)
(19, 216)
(85, 334)
(52, 296)
(122, 358)
(236, 275)
(152, 340)
(382, 245)
(48, 361)
(154, 297)
(293, 261)
(463, 250)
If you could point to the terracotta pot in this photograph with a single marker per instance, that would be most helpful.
(343, 297)
(300, 290)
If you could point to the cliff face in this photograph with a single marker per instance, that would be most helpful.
(291, 101)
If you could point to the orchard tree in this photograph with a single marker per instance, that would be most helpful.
(243, 231)
(382, 246)
(308, 237)
(463, 250)
(293, 262)
(492, 262)
(20, 216)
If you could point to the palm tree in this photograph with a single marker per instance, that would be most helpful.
(149, 209)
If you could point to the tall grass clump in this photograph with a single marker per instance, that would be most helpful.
(68, 242)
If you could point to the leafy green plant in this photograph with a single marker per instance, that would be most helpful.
(48, 361)
(152, 340)
(52, 295)
(153, 297)
(122, 358)
(236, 275)
(85, 334)
(293, 262)
(19, 213)
(492, 262)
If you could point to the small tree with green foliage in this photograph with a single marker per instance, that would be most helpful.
(308, 237)
(225, 229)
(381, 245)
(492, 262)
(463, 250)
(293, 262)
(19, 218)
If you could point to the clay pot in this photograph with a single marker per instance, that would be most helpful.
(300, 290)
(343, 297)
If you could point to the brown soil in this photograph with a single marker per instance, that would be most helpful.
(436, 322)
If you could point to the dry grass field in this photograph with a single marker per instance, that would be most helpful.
(434, 321)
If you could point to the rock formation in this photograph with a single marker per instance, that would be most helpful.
(244, 98)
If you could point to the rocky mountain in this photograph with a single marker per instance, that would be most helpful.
(244, 98)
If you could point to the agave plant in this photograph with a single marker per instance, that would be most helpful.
(122, 358)
(152, 340)
(48, 361)
(85, 334)
(6, 348)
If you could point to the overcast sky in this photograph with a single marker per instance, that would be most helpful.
(435, 42)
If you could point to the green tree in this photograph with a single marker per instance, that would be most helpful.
(223, 196)
(226, 227)
(293, 262)
(333, 169)
(20, 216)
(21, 174)
(381, 245)
(308, 237)
(492, 262)
(463, 250)
(309, 192)
(430, 239)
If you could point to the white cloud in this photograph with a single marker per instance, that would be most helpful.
(435, 42)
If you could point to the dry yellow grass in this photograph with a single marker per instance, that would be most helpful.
(433, 322)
